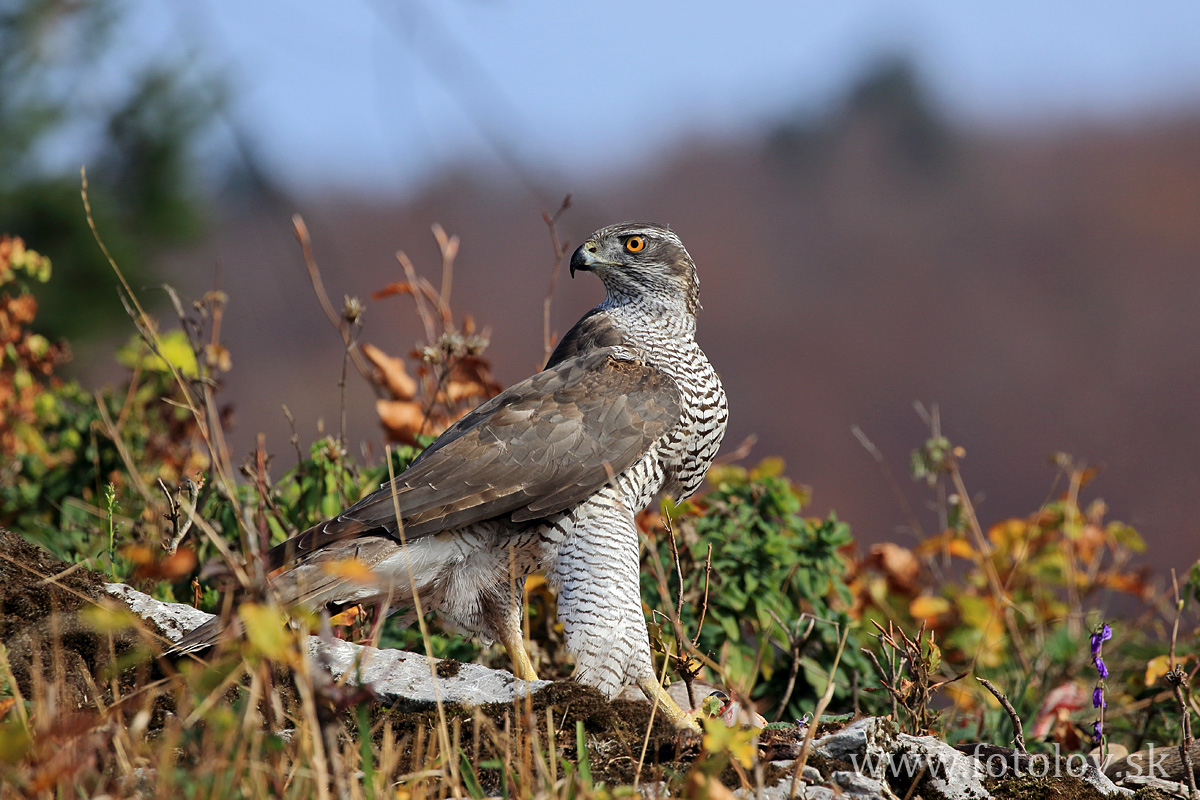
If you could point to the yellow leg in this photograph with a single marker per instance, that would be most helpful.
(667, 705)
(510, 637)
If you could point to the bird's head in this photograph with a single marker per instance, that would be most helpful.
(641, 260)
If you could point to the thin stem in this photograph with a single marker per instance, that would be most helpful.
(343, 327)
(1018, 728)
(560, 250)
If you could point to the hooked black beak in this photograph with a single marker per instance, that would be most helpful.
(583, 258)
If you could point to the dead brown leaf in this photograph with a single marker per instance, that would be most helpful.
(392, 373)
(898, 564)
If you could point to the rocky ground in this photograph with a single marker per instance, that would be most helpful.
(50, 641)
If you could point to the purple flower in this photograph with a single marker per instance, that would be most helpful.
(1100, 667)
(1097, 731)
(1098, 698)
(1099, 638)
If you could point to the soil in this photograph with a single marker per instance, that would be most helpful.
(48, 643)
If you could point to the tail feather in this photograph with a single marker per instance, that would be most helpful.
(207, 635)
(369, 570)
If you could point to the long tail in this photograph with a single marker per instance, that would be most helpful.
(324, 578)
(215, 630)
(207, 635)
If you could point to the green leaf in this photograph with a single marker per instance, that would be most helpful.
(469, 778)
(581, 755)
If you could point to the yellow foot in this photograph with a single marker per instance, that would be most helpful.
(667, 705)
(522, 666)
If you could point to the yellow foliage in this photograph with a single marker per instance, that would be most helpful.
(736, 742)
(174, 349)
(1004, 535)
(266, 628)
(770, 467)
(1156, 668)
(928, 607)
(106, 619)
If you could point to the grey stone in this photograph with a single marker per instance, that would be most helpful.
(396, 676)
(808, 775)
(782, 791)
(1102, 783)
(869, 736)
(653, 790)
(855, 784)
(174, 619)
(850, 739)
(817, 793)
(950, 774)
(877, 752)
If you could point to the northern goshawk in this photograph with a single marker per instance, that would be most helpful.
(546, 476)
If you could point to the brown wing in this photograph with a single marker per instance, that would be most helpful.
(536, 449)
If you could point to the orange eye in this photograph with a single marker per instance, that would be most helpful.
(635, 244)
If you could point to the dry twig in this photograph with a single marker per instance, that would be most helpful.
(337, 321)
(1018, 728)
(560, 250)
(1178, 681)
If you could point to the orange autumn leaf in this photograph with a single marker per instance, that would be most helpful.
(457, 391)
(350, 569)
(961, 548)
(398, 287)
(928, 607)
(475, 369)
(139, 554)
(1129, 583)
(170, 568)
(948, 543)
(1090, 541)
(347, 617)
(403, 419)
(391, 373)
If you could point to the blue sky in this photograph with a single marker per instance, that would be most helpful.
(380, 95)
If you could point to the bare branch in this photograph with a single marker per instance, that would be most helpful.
(1018, 728)
(448, 246)
(335, 319)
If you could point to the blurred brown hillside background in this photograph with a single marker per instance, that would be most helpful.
(1041, 287)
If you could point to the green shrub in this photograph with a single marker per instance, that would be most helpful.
(777, 600)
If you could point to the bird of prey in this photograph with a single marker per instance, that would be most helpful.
(546, 476)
